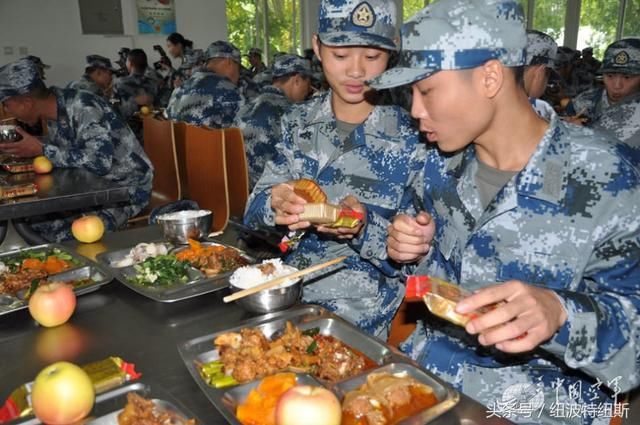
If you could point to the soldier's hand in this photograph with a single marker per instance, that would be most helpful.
(287, 205)
(29, 146)
(525, 317)
(410, 238)
(350, 202)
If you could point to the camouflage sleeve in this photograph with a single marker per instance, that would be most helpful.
(226, 108)
(279, 170)
(127, 105)
(372, 243)
(602, 333)
(93, 148)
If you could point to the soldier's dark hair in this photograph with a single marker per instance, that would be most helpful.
(518, 74)
(283, 79)
(40, 91)
(138, 59)
(177, 38)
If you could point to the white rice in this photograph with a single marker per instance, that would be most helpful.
(182, 215)
(250, 276)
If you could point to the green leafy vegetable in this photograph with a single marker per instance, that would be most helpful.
(161, 270)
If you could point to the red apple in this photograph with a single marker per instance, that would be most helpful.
(308, 405)
(42, 165)
(62, 394)
(52, 304)
(88, 228)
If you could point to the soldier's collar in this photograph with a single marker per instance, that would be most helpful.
(545, 175)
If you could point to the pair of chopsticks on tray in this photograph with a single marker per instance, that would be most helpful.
(277, 281)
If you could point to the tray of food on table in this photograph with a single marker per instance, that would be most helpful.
(308, 361)
(168, 273)
(133, 403)
(22, 270)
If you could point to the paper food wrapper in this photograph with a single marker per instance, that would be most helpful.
(441, 298)
(320, 213)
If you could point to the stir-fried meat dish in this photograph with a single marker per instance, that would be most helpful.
(386, 399)
(140, 411)
(12, 283)
(249, 355)
(212, 260)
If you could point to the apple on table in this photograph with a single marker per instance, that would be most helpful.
(88, 228)
(52, 304)
(42, 165)
(62, 394)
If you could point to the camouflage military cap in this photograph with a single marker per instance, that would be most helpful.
(457, 34)
(97, 61)
(358, 23)
(291, 64)
(541, 49)
(622, 57)
(222, 49)
(564, 56)
(36, 60)
(18, 78)
(193, 58)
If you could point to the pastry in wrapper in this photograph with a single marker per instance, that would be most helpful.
(309, 191)
(441, 298)
(320, 213)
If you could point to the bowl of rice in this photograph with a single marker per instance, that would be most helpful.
(180, 226)
(279, 298)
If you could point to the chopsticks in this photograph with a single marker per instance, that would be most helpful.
(277, 281)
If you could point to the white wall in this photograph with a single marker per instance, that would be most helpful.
(51, 30)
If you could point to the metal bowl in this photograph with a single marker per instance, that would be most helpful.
(179, 227)
(271, 300)
(8, 133)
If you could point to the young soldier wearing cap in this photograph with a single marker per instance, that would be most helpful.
(255, 59)
(210, 97)
(540, 56)
(84, 132)
(97, 78)
(260, 118)
(539, 219)
(616, 107)
(361, 154)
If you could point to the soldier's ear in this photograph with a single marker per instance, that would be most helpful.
(491, 78)
(316, 46)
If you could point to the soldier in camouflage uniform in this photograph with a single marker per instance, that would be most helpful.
(210, 97)
(136, 89)
(540, 219)
(362, 154)
(259, 119)
(540, 57)
(84, 132)
(255, 59)
(97, 78)
(616, 107)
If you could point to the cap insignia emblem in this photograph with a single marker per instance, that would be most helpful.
(363, 15)
(621, 58)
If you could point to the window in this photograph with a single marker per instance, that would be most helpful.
(598, 23)
(251, 23)
(631, 26)
(548, 17)
(411, 7)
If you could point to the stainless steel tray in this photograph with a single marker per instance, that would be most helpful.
(86, 269)
(201, 350)
(198, 283)
(109, 405)
(446, 396)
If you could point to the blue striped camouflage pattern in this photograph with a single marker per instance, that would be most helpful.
(376, 164)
